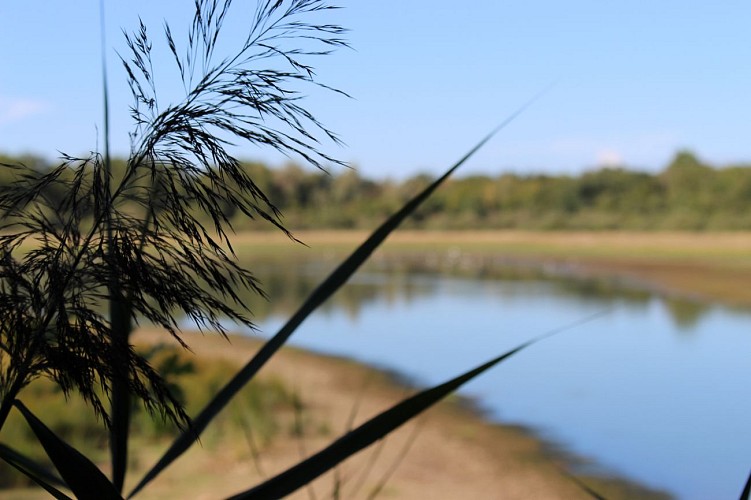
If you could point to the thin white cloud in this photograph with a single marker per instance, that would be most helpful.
(609, 158)
(612, 150)
(16, 109)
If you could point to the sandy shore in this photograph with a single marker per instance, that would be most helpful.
(448, 453)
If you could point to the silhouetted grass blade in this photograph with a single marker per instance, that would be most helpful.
(84, 479)
(746, 493)
(583, 486)
(35, 471)
(363, 436)
(325, 290)
(121, 398)
(119, 312)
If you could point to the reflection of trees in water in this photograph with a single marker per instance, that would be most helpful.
(567, 280)
(391, 278)
(288, 283)
(685, 314)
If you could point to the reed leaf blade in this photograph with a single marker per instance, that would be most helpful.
(746, 493)
(84, 479)
(364, 435)
(325, 290)
(34, 470)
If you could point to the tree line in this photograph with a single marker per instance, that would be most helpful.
(688, 194)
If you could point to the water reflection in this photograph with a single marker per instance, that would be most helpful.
(289, 282)
(685, 314)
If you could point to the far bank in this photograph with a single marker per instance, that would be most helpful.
(701, 266)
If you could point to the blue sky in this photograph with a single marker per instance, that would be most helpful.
(635, 81)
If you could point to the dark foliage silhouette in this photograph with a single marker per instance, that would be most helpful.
(82, 240)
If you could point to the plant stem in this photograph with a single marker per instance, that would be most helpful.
(120, 324)
(10, 396)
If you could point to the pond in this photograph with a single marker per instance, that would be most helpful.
(647, 387)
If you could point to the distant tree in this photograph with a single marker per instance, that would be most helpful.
(689, 183)
(620, 190)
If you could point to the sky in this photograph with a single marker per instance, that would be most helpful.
(632, 82)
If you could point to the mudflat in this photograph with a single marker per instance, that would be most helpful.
(450, 452)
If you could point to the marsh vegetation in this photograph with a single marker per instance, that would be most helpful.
(93, 246)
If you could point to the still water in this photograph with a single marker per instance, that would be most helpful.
(654, 389)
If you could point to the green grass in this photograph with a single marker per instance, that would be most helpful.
(257, 406)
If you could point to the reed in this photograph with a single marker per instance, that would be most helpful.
(163, 263)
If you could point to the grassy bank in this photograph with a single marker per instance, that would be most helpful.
(708, 267)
